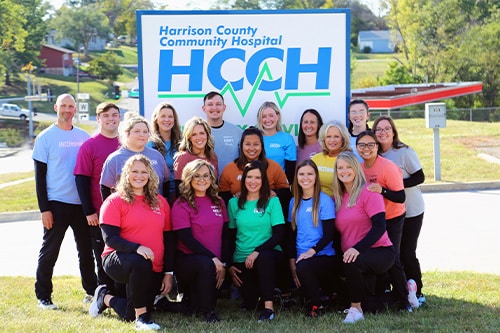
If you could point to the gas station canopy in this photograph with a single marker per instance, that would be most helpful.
(401, 95)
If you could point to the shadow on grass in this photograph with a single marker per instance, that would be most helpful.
(450, 309)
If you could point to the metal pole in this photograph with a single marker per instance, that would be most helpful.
(437, 155)
(30, 126)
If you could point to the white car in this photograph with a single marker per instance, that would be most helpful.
(14, 110)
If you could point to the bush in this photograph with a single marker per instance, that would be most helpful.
(12, 137)
(367, 49)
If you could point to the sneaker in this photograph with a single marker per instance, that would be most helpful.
(353, 315)
(266, 315)
(144, 323)
(316, 311)
(97, 306)
(412, 294)
(421, 300)
(211, 317)
(46, 304)
(88, 299)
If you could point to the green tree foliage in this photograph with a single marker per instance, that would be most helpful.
(451, 40)
(12, 36)
(105, 67)
(397, 74)
(80, 25)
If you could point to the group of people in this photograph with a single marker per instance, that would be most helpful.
(200, 208)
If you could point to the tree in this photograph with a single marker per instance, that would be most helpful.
(105, 67)
(81, 25)
(12, 36)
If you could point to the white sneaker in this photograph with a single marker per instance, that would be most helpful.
(46, 304)
(353, 315)
(146, 325)
(412, 294)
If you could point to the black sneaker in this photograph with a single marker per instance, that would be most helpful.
(46, 304)
(211, 317)
(266, 315)
(97, 306)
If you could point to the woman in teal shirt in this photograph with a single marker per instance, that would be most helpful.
(257, 224)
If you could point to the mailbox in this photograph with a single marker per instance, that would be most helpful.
(435, 115)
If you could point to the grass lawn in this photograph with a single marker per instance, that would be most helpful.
(457, 302)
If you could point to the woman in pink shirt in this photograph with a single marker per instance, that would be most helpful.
(360, 221)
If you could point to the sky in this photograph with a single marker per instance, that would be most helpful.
(205, 4)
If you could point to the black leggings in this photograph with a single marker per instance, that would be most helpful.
(411, 231)
(317, 274)
(196, 277)
(261, 280)
(142, 284)
(372, 261)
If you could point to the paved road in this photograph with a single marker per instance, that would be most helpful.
(460, 232)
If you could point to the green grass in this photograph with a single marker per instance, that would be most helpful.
(458, 302)
(458, 158)
(370, 67)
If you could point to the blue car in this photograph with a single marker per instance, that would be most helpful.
(134, 93)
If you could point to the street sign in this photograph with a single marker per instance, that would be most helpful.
(83, 107)
(35, 98)
(84, 116)
(80, 96)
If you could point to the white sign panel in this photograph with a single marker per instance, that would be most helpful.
(82, 96)
(298, 59)
(83, 107)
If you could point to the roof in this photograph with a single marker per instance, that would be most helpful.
(373, 34)
(401, 95)
(57, 48)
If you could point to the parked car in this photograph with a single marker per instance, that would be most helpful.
(14, 110)
(134, 93)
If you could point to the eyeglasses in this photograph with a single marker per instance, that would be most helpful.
(385, 130)
(357, 113)
(370, 145)
(198, 177)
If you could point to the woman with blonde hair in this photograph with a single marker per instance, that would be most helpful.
(199, 219)
(367, 249)
(165, 137)
(140, 246)
(134, 135)
(196, 143)
(279, 146)
(334, 139)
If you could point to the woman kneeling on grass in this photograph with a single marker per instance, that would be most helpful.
(140, 247)
(360, 221)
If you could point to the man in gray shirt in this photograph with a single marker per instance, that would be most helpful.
(226, 135)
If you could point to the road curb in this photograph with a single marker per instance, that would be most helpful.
(30, 215)
(449, 187)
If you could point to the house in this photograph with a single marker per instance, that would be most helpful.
(58, 60)
(96, 43)
(379, 41)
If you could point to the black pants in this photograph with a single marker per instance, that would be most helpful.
(141, 283)
(409, 240)
(65, 215)
(196, 277)
(372, 261)
(397, 275)
(260, 281)
(98, 247)
(316, 275)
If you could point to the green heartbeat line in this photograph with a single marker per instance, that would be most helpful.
(228, 88)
